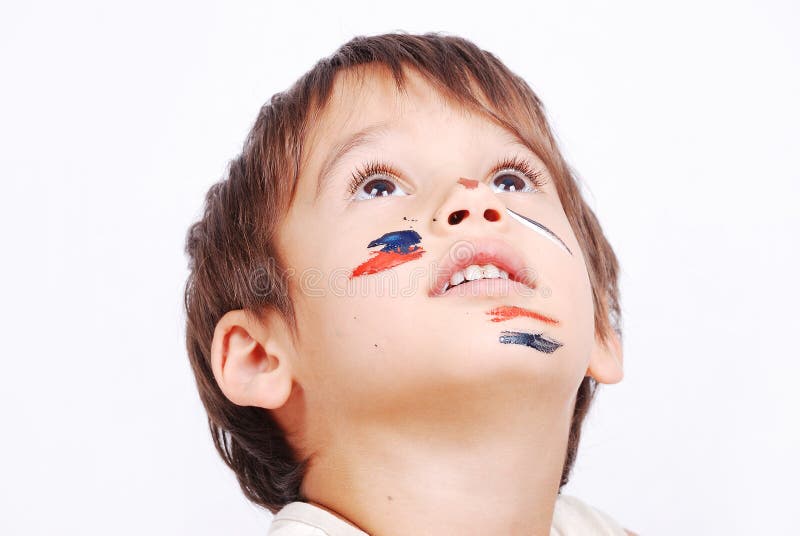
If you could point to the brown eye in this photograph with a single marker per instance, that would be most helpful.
(378, 187)
(376, 179)
(510, 183)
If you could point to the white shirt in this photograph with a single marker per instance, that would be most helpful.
(571, 517)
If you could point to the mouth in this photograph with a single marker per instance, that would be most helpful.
(469, 263)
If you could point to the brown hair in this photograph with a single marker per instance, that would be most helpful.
(233, 259)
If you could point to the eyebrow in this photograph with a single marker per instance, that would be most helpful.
(366, 136)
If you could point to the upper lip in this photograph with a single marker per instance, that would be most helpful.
(480, 251)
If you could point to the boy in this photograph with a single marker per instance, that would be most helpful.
(399, 305)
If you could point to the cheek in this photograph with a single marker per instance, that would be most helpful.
(572, 295)
(362, 346)
(571, 289)
(578, 297)
(355, 293)
(564, 288)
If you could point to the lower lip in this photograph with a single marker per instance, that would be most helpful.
(489, 288)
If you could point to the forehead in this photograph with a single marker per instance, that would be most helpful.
(365, 104)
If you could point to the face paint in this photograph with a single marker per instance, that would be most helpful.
(469, 184)
(539, 228)
(398, 247)
(507, 312)
(537, 341)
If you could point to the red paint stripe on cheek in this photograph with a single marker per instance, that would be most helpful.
(383, 260)
(507, 312)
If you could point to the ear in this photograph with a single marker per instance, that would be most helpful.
(250, 359)
(605, 360)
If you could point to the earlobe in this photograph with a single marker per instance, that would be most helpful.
(605, 361)
(250, 362)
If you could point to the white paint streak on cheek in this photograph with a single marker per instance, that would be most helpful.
(539, 228)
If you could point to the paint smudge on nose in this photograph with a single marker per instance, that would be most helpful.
(507, 312)
(537, 341)
(470, 184)
(398, 247)
(539, 228)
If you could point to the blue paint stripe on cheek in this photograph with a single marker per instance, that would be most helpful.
(398, 241)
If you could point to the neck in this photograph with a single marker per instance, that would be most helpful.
(475, 475)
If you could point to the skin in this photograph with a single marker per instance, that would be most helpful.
(419, 420)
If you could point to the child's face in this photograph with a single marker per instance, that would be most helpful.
(373, 343)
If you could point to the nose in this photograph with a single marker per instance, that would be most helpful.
(469, 204)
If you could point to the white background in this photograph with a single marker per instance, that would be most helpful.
(682, 118)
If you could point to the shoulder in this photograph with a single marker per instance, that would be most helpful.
(306, 519)
(573, 516)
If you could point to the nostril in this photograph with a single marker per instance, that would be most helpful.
(457, 216)
(491, 214)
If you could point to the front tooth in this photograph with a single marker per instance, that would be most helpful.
(473, 272)
(490, 271)
(457, 278)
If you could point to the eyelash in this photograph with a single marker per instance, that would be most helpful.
(376, 167)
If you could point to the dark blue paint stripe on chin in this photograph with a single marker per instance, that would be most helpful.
(537, 341)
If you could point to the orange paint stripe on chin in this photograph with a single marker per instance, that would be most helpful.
(507, 312)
